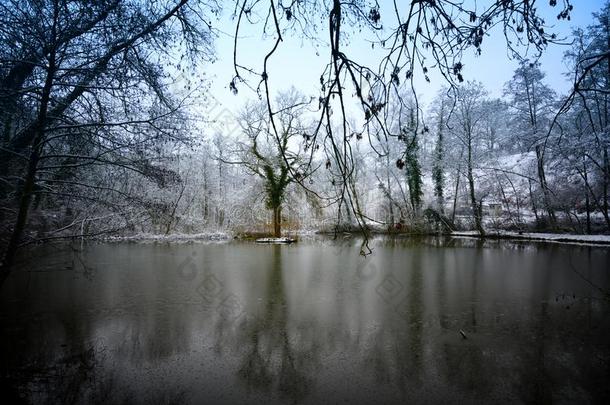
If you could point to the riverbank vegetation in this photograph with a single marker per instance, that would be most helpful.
(101, 133)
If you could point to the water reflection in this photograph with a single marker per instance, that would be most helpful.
(272, 360)
(312, 323)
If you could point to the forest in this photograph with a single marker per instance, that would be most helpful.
(100, 135)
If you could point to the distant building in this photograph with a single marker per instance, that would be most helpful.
(492, 208)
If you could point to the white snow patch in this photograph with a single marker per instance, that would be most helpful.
(550, 237)
(174, 238)
(518, 161)
(275, 240)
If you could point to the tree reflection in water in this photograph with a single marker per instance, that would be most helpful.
(312, 323)
(272, 360)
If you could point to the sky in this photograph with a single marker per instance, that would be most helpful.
(299, 63)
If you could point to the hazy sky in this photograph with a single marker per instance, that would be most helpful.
(296, 63)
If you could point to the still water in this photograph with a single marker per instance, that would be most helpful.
(420, 320)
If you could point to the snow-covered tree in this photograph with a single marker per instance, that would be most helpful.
(533, 102)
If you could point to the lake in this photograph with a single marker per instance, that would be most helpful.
(419, 320)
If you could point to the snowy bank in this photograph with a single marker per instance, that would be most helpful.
(276, 240)
(174, 238)
(544, 237)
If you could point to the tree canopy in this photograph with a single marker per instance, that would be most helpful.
(414, 38)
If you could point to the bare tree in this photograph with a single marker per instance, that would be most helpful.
(415, 37)
(590, 98)
(81, 85)
(468, 115)
(438, 168)
(278, 161)
(533, 102)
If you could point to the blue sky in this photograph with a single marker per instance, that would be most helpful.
(296, 63)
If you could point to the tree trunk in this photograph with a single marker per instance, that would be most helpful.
(476, 211)
(587, 202)
(438, 165)
(11, 85)
(24, 205)
(206, 194)
(533, 200)
(390, 200)
(605, 186)
(30, 177)
(544, 186)
(277, 222)
(455, 196)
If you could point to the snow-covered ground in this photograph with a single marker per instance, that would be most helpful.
(275, 240)
(174, 238)
(548, 237)
(223, 236)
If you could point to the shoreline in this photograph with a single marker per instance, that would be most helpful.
(598, 240)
